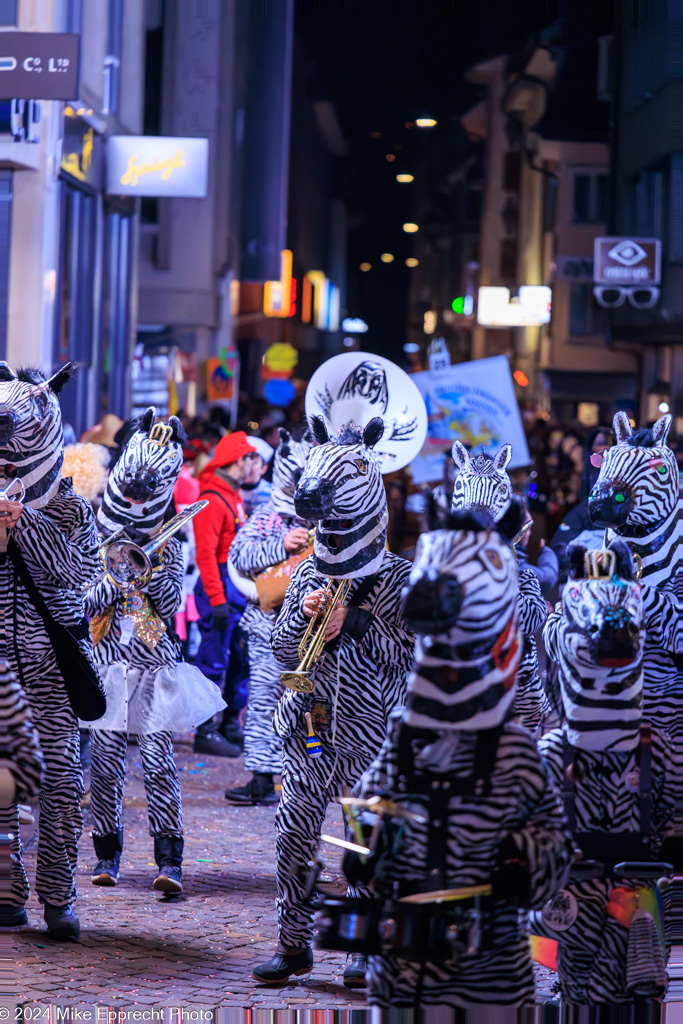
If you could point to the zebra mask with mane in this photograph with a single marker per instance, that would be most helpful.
(342, 490)
(482, 483)
(140, 485)
(461, 600)
(636, 497)
(597, 641)
(288, 465)
(31, 438)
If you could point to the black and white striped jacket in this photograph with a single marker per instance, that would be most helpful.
(363, 679)
(19, 748)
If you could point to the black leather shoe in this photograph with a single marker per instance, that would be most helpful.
(233, 732)
(354, 972)
(282, 966)
(62, 923)
(214, 743)
(12, 916)
(259, 790)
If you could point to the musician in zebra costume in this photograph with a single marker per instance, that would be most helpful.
(615, 774)
(55, 535)
(476, 805)
(21, 767)
(358, 681)
(148, 692)
(270, 535)
(636, 498)
(483, 485)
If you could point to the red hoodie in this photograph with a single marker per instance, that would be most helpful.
(214, 531)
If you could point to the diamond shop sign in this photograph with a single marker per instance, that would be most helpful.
(627, 261)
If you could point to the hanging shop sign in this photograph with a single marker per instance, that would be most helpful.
(530, 308)
(627, 261)
(278, 361)
(39, 65)
(220, 376)
(279, 297)
(152, 165)
(320, 301)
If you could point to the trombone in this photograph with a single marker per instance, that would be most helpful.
(312, 644)
(129, 566)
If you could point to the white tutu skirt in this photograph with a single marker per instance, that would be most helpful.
(172, 697)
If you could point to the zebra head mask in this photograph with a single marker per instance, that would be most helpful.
(342, 490)
(461, 600)
(600, 653)
(288, 465)
(482, 483)
(638, 483)
(31, 438)
(141, 483)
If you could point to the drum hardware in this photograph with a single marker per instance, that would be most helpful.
(267, 589)
(128, 565)
(313, 643)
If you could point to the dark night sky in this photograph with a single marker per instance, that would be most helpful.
(385, 64)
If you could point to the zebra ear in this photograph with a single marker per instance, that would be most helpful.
(460, 454)
(319, 429)
(146, 421)
(622, 427)
(575, 556)
(661, 429)
(503, 457)
(373, 432)
(285, 435)
(625, 566)
(178, 434)
(61, 378)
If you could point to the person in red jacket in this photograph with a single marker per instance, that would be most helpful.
(219, 603)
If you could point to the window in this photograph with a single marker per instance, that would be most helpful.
(586, 318)
(112, 62)
(648, 205)
(8, 12)
(74, 15)
(116, 332)
(5, 226)
(589, 198)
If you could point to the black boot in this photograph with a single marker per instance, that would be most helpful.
(168, 853)
(232, 731)
(259, 790)
(209, 741)
(108, 851)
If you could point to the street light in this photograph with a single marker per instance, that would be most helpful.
(405, 179)
(365, 267)
(387, 257)
(412, 262)
(410, 228)
(425, 122)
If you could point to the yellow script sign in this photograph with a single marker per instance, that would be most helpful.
(136, 169)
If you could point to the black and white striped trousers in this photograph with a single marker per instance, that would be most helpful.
(162, 784)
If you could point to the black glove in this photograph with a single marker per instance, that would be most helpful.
(220, 613)
(511, 881)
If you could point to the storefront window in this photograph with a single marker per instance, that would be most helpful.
(8, 12)
(116, 327)
(5, 227)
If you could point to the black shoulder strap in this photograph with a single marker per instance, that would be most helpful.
(568, 791)
(645, 780)
(368, 583)
(225, 502)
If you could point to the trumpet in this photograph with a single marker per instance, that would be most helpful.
(129, 566)
(313, 641)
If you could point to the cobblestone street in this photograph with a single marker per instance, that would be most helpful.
(196, 950)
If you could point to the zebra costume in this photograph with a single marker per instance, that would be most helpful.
(258, 545)
(148, 692)
(597, 759)
(361, 676)
(636, 497)
(57, 538)
(454, 758)
(483, 485)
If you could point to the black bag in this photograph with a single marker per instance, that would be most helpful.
(83, 687)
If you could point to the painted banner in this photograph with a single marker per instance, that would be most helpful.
(474, 402)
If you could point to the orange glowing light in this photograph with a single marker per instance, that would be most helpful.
(390, 157)
(521, 378)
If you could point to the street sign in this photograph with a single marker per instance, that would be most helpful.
(627, 261)
(39, 65)
(530, 309)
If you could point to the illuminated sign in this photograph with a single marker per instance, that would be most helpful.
(279, 297)
(354, 325)
(627, 261)
(151, 165)
(39, 65)
(320, 301)
(531, 308)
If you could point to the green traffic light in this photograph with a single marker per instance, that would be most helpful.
(458, 305)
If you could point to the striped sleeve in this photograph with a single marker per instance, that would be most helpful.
(166, 585)
(530, 602)
(19, 749)
(259, 543)
(67, 556)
